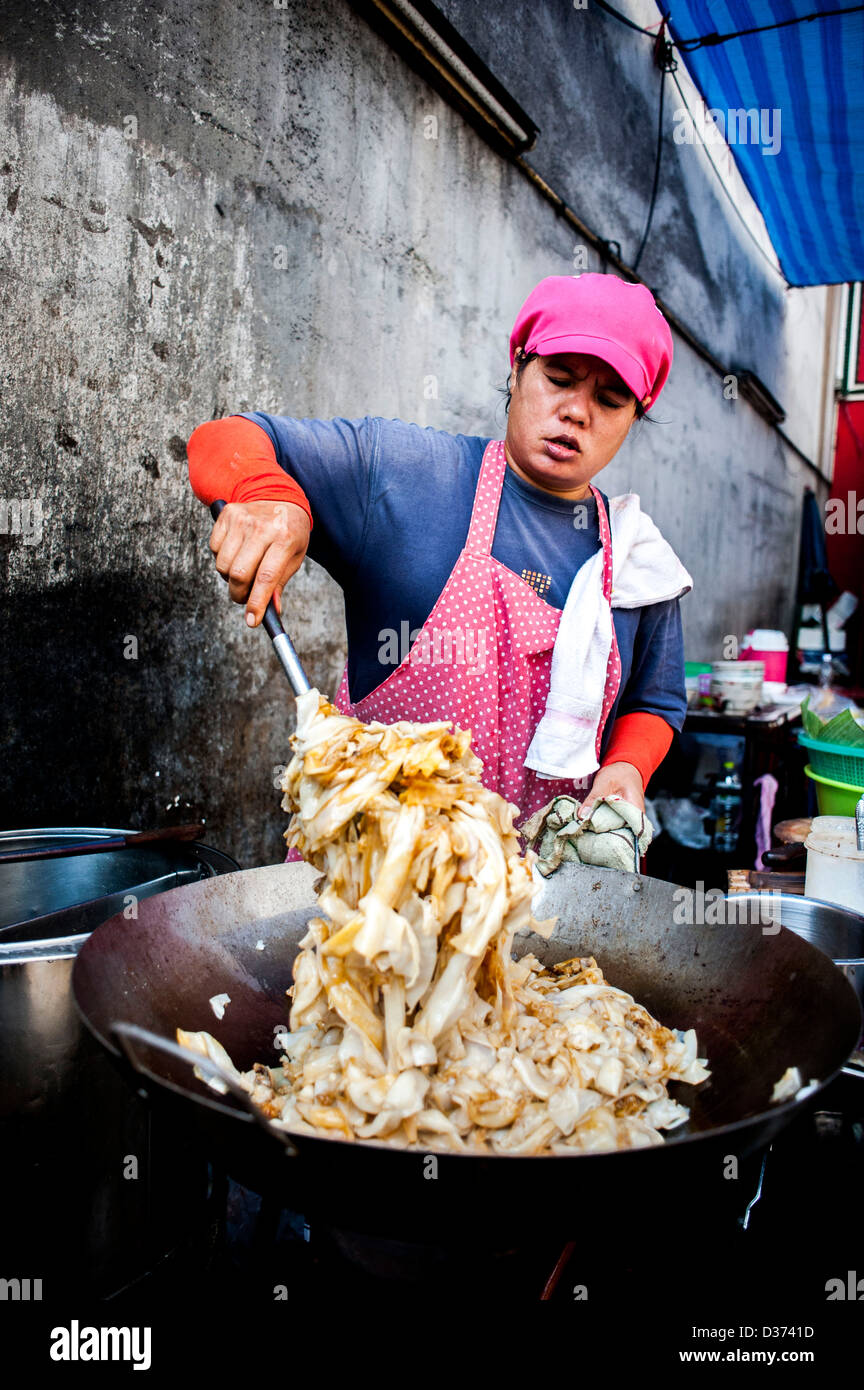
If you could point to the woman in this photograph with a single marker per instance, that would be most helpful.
(483, 582)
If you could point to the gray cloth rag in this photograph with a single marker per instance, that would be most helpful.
(604, 839)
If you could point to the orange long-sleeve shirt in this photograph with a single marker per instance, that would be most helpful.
(235, 460)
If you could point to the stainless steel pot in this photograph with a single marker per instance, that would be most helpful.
(96, 1188)
(836, 931)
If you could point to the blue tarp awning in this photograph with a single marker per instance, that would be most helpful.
(811, 190)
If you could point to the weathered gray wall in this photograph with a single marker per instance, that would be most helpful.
(153, 157)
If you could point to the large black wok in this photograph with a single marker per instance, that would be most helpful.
(761, 999)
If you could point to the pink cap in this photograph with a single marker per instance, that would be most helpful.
(601, 315)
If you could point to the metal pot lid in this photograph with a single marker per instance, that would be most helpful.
(50, 898)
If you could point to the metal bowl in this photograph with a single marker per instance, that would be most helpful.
(836, 931)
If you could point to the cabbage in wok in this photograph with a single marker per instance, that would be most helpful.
(410, 1022)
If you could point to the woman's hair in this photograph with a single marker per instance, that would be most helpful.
(522, 362)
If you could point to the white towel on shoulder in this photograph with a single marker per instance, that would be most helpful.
(645, 569)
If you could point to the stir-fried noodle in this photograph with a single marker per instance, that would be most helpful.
(410, 1021)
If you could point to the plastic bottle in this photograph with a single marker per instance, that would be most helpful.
(826, 671)
(726, 807)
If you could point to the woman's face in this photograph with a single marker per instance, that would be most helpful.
(569, 415)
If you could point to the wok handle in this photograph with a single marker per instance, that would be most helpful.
(282, 643)
(125, 1034)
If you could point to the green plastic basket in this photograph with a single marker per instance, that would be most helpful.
(836, 761)
(834, 798)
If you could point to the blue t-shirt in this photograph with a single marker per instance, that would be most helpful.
(392, 504)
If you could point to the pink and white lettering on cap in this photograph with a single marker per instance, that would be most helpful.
(603, 316)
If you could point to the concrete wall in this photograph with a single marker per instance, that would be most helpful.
(153, 160)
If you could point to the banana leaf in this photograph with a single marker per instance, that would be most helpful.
(842, 729)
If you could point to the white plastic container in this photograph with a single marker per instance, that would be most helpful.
(738, 684)
(831, 825)
(835, 865)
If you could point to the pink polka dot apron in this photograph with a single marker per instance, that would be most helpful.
(483, 657)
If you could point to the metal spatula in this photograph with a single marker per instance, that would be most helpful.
(279, 637)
